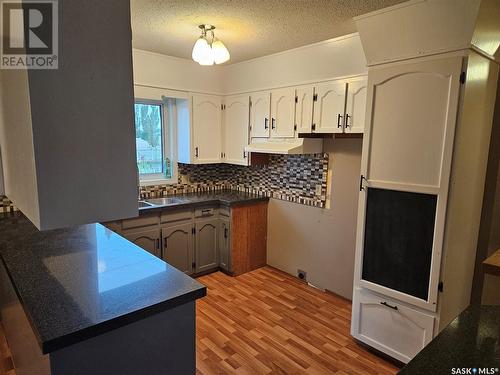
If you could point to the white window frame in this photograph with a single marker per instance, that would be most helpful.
(151, 95)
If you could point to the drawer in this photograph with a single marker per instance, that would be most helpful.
(174, 216)
(389, 326)
(224, 211)
(205, 211)
(141, 221)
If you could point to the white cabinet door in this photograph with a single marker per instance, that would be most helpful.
(259, 114)
(408, 144)
(283, 113)
(389, 326)
(206, 119)
(354, 121)
(236, 117)
(304, 108)
(329, 107)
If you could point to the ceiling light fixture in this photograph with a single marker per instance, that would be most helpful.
(208, 52)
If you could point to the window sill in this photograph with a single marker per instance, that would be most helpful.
(162, 181)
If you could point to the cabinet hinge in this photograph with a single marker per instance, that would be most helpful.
(193, 230)
(313, 127)
(295, 127)
(315, 97)
(193, 265)
(296, 99)
(440, 287)
(463, 76)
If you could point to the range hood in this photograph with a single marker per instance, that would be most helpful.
(293, 146)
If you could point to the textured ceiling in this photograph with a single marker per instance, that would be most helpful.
(249, 28)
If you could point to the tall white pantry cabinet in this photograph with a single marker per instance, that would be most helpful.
(425, 150)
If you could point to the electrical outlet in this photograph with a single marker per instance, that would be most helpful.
(302, 275)
(319, 189)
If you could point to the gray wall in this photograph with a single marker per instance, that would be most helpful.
(16, 143)
(67, 135)
(321, 241)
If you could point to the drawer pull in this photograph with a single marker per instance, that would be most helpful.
(206, 212)
(389, 306)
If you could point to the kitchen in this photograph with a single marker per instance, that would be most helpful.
(272, 179)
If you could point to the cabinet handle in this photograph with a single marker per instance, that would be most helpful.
(244, 154)
(157, 244)
(339, 125)
(273, 123)
(389, 306)
(225, 232)
(347, 121)
(165, 243)
(196, 151)
(266, 126)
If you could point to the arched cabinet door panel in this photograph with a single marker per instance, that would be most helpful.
(206, 245)
(329, 107)
(236, 122)
(259, 114)
(149, 240)
(354, 121)
(207, 125)
(283, 113)
(178, 246)
(304, 108)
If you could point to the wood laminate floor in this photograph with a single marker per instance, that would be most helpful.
(267, 322)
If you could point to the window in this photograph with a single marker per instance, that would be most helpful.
(154, 157)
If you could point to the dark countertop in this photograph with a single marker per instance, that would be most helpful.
(79, 282)
(472, 341)
(225, 197)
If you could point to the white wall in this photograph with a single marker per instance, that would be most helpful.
(156, 70)
(321, 241)
(339, 57)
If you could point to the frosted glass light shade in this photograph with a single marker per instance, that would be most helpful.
(220, 52)
(202, 52)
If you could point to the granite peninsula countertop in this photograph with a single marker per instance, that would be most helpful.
(471, 341)
(224, 197)
(79, 282)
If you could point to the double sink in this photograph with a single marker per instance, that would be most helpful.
(161, 202)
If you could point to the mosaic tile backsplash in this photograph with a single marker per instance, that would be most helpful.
(295, 178)
(6, 205)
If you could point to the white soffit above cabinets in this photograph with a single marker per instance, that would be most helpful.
(425, 27)
(249, 29)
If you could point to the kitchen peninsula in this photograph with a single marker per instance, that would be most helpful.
(84, 300)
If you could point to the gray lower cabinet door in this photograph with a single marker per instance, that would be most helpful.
(178, 246)
(206, 240)
(224, 245)
(149, 240)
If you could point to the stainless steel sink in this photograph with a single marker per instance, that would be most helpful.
(165, 201)
(143, 204)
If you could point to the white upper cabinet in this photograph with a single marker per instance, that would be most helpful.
(283, 113)
(354, 121)
(206, 125)
(259, 114)
(329, 107)
(236, 119)
(304, 108)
